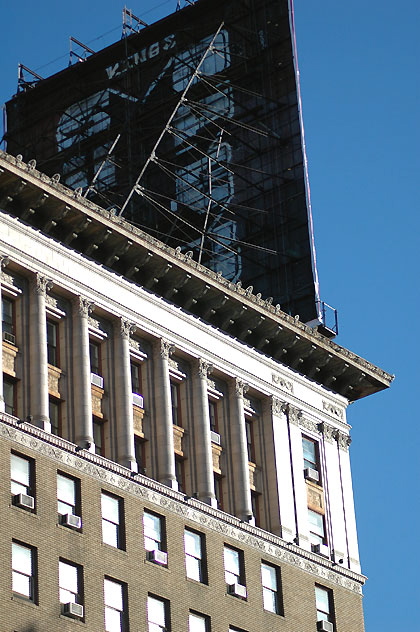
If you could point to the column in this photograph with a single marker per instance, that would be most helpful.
(164, 427)
(334, 494)
(202, 437)
(38, 369)
(343, 443)
(239, 451)
(81, 374)
(299, 485)
(123, 397)
(3, 263)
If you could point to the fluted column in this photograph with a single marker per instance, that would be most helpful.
(81, 373)
(164, 426)
(239, 451)
(202, 442)
(38, 352)
(123, 397)
(3, 263)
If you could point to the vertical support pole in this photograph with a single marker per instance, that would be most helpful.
(3, 263)
(38, 352)
(123, 397)
(164, 425)
(202, 444)
(239, 451)
(81, 373)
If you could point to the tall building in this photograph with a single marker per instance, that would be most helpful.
(174, 440)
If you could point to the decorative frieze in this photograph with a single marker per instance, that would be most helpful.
(308, 424)
(281, 382)
(332, 409)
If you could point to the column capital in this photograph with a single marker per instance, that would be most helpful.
(295, 415)
(328, 431)
(4, 261)
(41, 284)
(343, 440)
(83, 306)
(278, 406)
(204, 368)
(164, 348)
(126, 328)
(238, 387)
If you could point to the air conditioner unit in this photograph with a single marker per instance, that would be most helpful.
(74, 610)
(97, 380)
(324, 626)
(138, 400)
(9, 337)
(215, 437)
(158, 557)
(311, 474)
(321, 549)
(71, 521)
(24, 501)
(237, 590)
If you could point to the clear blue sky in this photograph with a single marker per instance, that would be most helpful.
(360, 77)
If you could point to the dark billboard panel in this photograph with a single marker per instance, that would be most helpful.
(191, 130)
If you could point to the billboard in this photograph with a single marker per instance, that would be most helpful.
(190, 129)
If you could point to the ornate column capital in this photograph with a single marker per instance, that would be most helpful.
(278, 406)
(4, 261)
(204, 368)
(40, 284)
(83, 306)
(164, 348)
(295, 415)
(328, 431)
(238, 387)
(126, 328)
(343, 440)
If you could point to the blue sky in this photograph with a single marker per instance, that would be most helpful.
(360, 91)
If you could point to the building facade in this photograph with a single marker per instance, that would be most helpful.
(178, 446)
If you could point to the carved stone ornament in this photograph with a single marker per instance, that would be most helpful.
(276, 406)
(335, 411)
(240, 388)
(295, 415)
(41, 285)
(343, 440)
(284, 384)
(308, 424)
(127, 328)
(204, 368)
(4, 261)
(329, 432)
(165, 348)
(83, 306)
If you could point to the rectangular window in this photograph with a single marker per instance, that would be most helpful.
(54, 413)
(9, 394)
(112, 520)
(316, 527)
(153, 527)
(157, 614)
(324, 604)
(8, 324)
(115, 606)
(250, 440)
(21, 475)
(213, 416)
(70, 582)
(135, 378)
(176, 407)
(95, 357)
(234, 566)
(98, 436)
(68, 496)
(24, 570)
(194, 555)
(218, 490)
(310, 454)
(139, 454)
(270, 579)
(198, 622)
(180, 473)
(52, 342)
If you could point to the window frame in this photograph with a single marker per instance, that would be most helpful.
(175, 390)
(8, 323)
(325, 615)
(54, 403)
(75, 507)
(28, 489)
(161, 540)
(95, 360)
(108, 607)
(118, 527)
(201, 560)
(136, 377)
(10, 409)
(98, 430)
(213, 415)
(314, 536)
(239, 576)
(53, 346)
(79, 594)
(32, 578)
(315, 463)
(199, 615)
(275, 592)
(250, 443)
(158, 627)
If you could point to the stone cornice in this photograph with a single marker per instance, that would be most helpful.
(114, 475)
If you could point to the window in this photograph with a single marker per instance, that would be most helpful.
(153, 532)
(250, 440)
(255, 503)
(70, 582)
(176, 407)
(198, 622)
(9, 394)
(98, 436)
(310, 454)
(234, 566)
(112, 528)
(270, 579)
(135, 378)
(218, 490)
(8, 327)
(139, 454)
(194, 555)
(157, 614)
(180, 473)
(24, 570)
(115, 606)
(22, 475)
(67, 495)
(213, 415)
(95, 357)
(52, 342)
(316, 527)
(324, 604)
(54, 413)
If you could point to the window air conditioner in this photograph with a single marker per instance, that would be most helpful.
(215, 437)
(158, 557)
(138, 400)
(7, 337)
(74, 610)
(311, 474)
(321, 549)
(324, 626)
(71, 521)
(24, 501)
(97, 380)
(237, 590)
